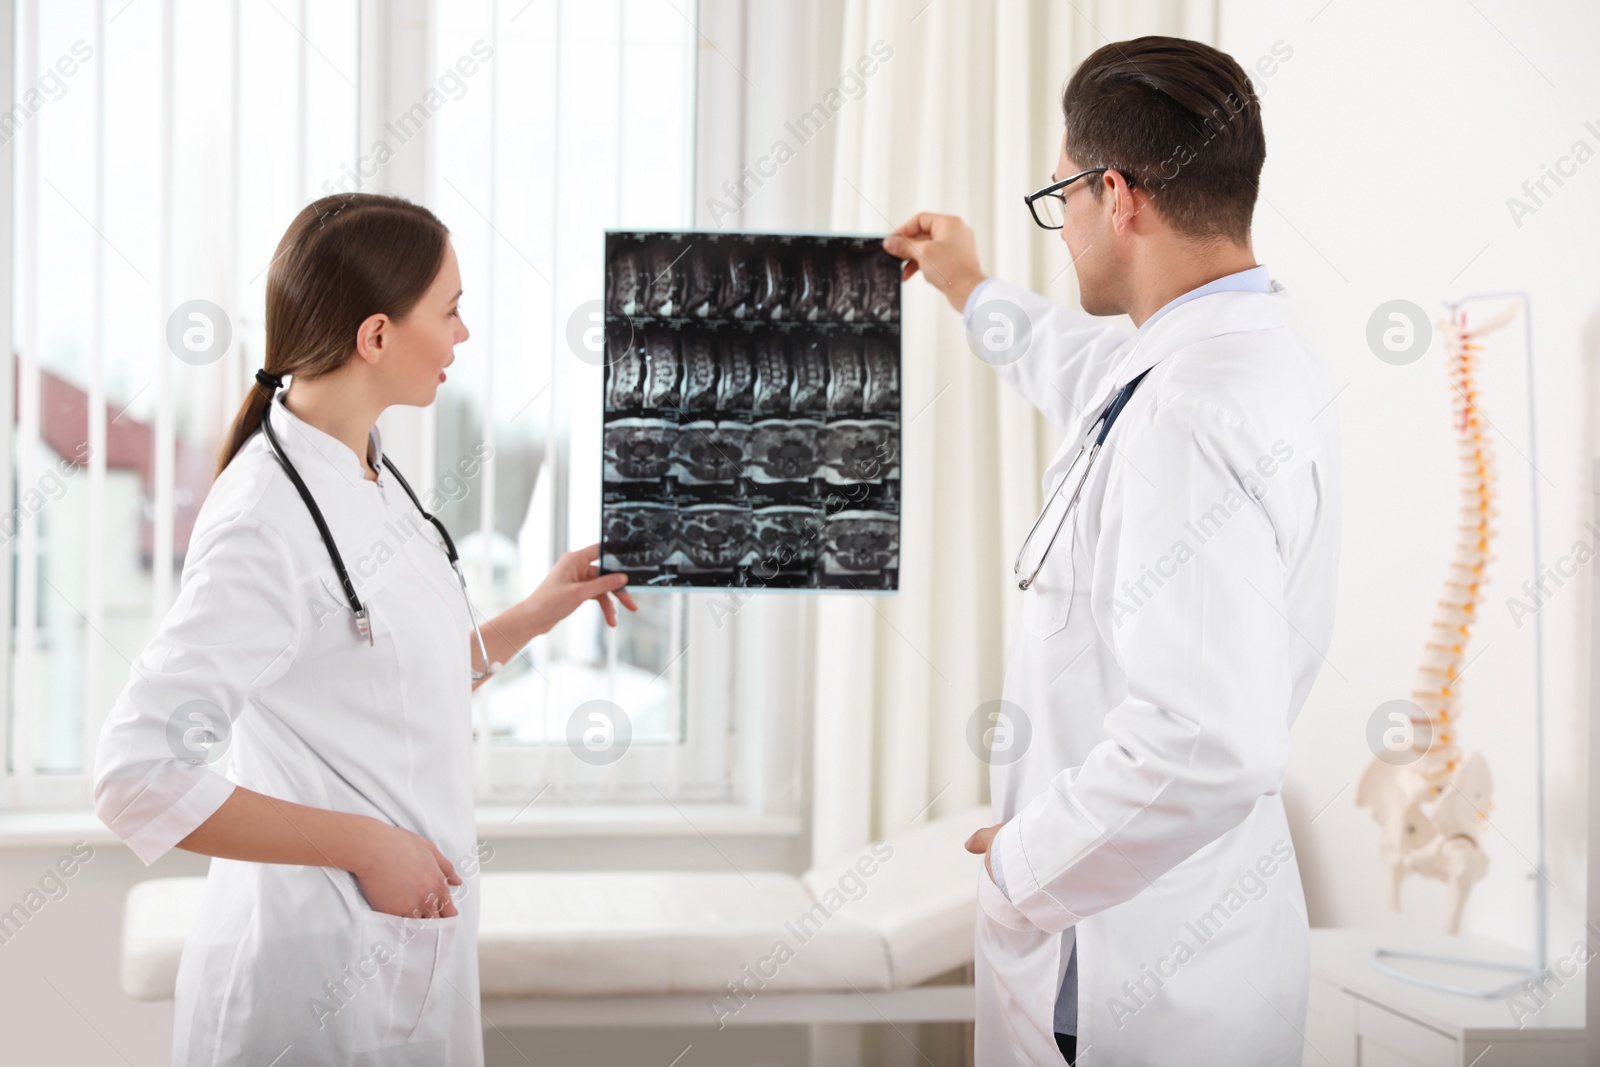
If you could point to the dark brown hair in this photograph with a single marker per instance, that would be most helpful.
(342, 260)
(1182, 119)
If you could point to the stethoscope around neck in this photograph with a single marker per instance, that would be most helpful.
(1108, 418)
(363, 621)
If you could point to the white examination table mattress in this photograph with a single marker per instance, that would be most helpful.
(871, 920)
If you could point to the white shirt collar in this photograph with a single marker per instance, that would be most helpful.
(1250, 280)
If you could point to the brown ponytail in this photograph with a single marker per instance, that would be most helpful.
(344, 259)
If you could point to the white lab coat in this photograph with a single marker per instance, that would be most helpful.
(1145, 818)
(284, 959)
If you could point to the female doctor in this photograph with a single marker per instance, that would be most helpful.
(336, 656)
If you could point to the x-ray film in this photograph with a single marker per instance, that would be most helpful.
(752, 412)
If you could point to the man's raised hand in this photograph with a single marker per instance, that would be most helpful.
(944, 249)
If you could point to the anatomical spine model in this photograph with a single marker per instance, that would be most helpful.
(1431, 800)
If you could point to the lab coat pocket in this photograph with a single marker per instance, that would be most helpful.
(1048, 601)
(1050, 618)
(1023, 963)
(997, 906)
(411, 957)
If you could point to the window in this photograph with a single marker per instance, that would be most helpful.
(580, 119)
(156, 162)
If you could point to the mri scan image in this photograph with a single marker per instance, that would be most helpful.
(751, 430)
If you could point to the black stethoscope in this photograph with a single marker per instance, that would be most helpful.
(1108, 418)
(363, 624)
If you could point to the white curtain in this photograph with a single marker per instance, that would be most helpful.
(963, 119)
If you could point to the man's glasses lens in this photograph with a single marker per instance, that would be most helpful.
(1050, 210)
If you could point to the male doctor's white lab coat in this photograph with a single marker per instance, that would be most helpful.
(1159, 676)
(284, 960)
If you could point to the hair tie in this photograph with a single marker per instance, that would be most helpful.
(271, 381)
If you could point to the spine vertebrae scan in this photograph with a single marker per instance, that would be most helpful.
(1430, 799)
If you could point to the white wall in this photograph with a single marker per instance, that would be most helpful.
(1396, 133)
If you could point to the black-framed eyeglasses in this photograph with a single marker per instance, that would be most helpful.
(1048, 205)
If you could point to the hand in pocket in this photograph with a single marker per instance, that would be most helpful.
(406, 874)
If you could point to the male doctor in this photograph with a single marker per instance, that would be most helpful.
(1141, 903)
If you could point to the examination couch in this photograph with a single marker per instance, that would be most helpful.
(882, 934)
